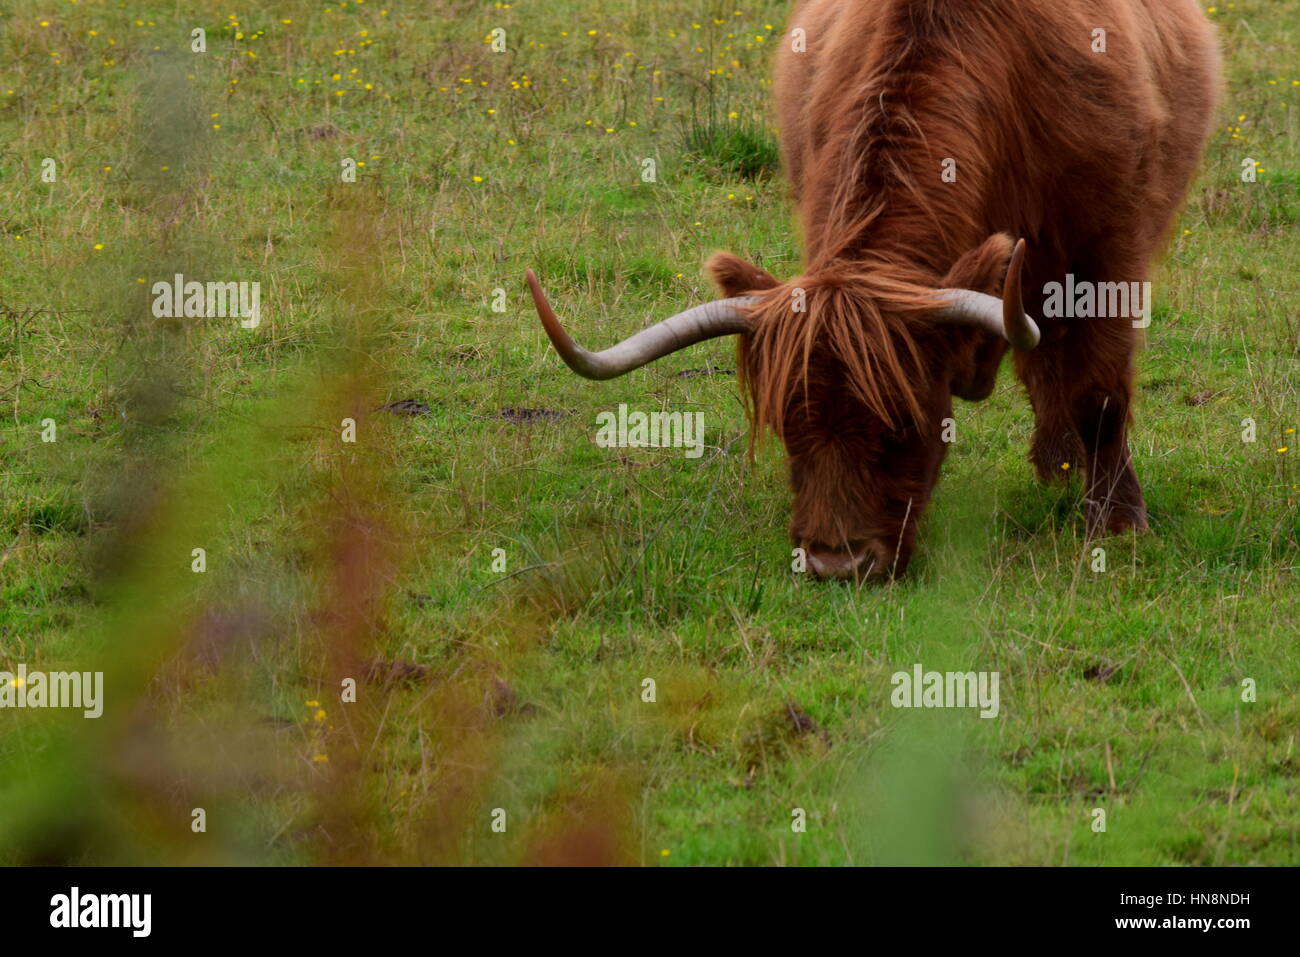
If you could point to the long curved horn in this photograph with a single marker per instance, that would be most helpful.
(708, 321)
(1002, 317)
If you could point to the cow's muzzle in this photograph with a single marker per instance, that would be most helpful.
(858, 561)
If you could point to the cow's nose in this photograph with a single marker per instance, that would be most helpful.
(856, 562)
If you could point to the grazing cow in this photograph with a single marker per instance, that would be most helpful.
(945, 155)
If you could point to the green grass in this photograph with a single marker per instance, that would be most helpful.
(522, 689)
(732, 149)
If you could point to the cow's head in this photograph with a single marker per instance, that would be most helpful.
(854, 367)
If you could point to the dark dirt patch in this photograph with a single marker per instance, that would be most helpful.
(505, 702)
(802, 723)
(529, 416)
(778, 734)
(405, 407)
(396, 672)
(1200, 398)
(1101, 673)
(1287, 766)
(1019, 756)
(466, 354)
(692, 373)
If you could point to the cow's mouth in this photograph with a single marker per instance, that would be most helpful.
(856, 561)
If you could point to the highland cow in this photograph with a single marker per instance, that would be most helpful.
(949, 157)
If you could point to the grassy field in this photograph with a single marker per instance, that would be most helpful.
(514, 679)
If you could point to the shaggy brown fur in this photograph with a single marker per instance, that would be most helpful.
(1087, 155)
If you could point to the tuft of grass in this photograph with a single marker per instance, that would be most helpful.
(732, 148)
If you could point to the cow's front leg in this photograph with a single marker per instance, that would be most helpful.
(1055, 448)
(1081, 385)
(1111, 491)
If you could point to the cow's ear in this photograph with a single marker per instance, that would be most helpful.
(982, 268)
(735, 277)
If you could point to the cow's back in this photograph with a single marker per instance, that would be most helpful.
(1049, 136)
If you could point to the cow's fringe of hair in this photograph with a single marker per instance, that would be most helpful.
(868, 283)
(861, 314)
